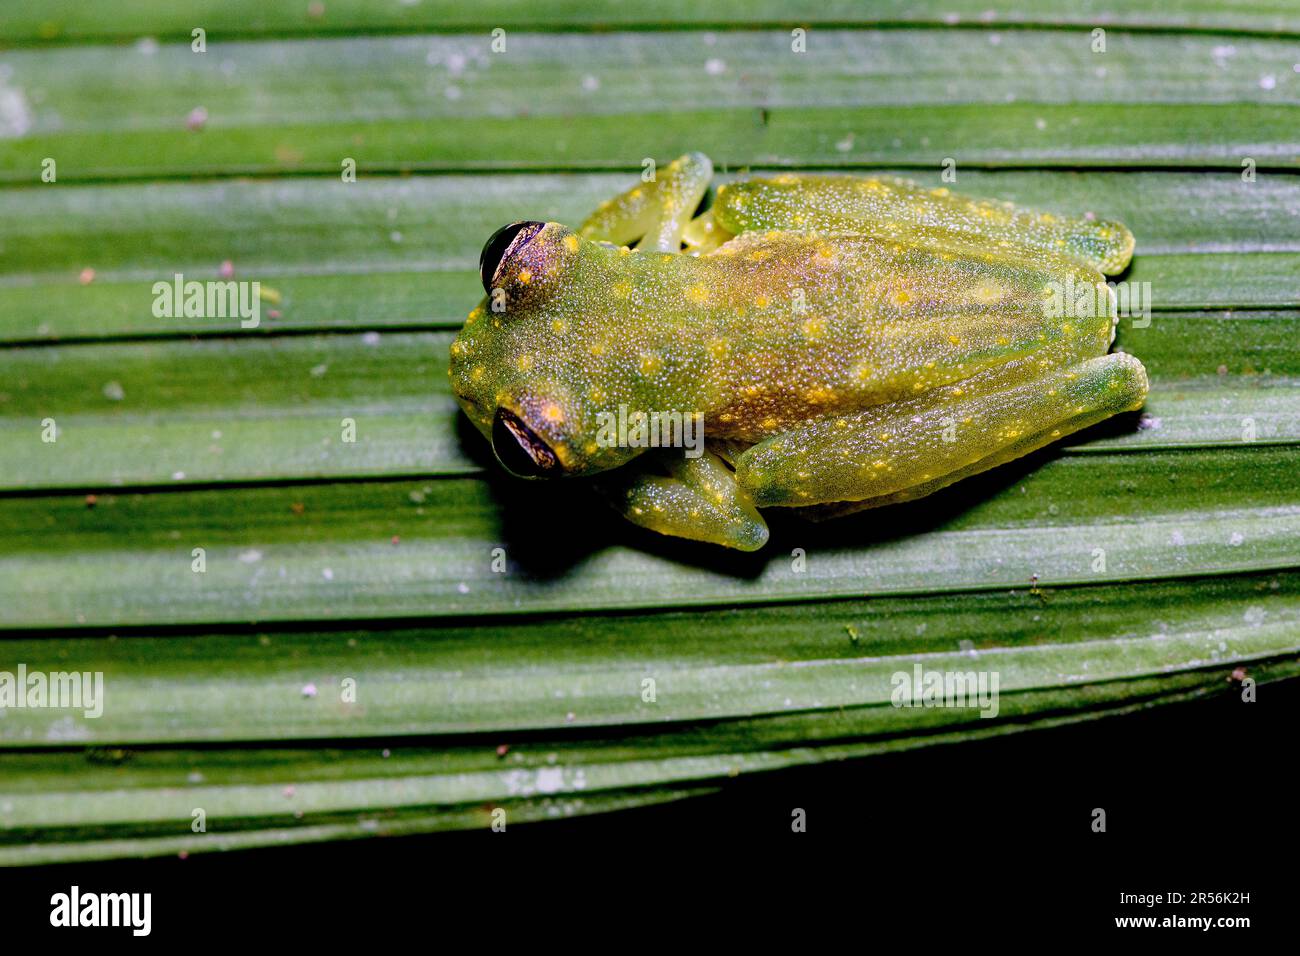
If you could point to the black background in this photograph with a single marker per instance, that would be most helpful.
(991, 837)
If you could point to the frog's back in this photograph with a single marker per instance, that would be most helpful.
(792, 325)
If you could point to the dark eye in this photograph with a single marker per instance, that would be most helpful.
(501, 245)
(519, 449)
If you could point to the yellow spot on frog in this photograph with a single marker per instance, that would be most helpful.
(552, 413)
(524, 362)
(697, 294)
(525, 276)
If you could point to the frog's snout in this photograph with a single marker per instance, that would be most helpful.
(519, 449)
(501, 245)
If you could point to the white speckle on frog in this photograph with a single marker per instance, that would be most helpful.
(590, 83)
(395, 236)
(370, 338)
(251, 556)
(1177, 539)
(318, 370)
(1236, 539)
(1254, 615)
(455, 63)
(178, 476)
(462, 588)
(309, 690)
(114, 392)
(845, 144)
(1267, 81)
(452, 92)
(146, 46)
(715, 67)
(327, 574)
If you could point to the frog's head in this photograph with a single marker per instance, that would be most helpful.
(523, 368)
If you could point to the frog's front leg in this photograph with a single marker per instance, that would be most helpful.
(908, 449)
(695, 498)
(656, 212)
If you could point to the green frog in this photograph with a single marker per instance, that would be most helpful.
(821, 342)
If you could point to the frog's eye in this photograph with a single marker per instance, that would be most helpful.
(519, 449)
(502, 244)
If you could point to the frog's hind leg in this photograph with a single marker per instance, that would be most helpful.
(908, 449)
(695, 498)
(658, 213)
(898, 210)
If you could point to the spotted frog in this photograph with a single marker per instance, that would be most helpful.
(826, 343)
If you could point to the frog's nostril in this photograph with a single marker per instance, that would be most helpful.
(500, 246)
(519, 449)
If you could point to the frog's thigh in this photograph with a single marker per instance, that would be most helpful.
(908, 449)
(698, 498)
(899, 210)
(656, 212)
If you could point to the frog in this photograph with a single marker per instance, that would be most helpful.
(842, 342)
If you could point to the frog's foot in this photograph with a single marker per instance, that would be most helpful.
(908, 449)
(658, 212)
(695, 498)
